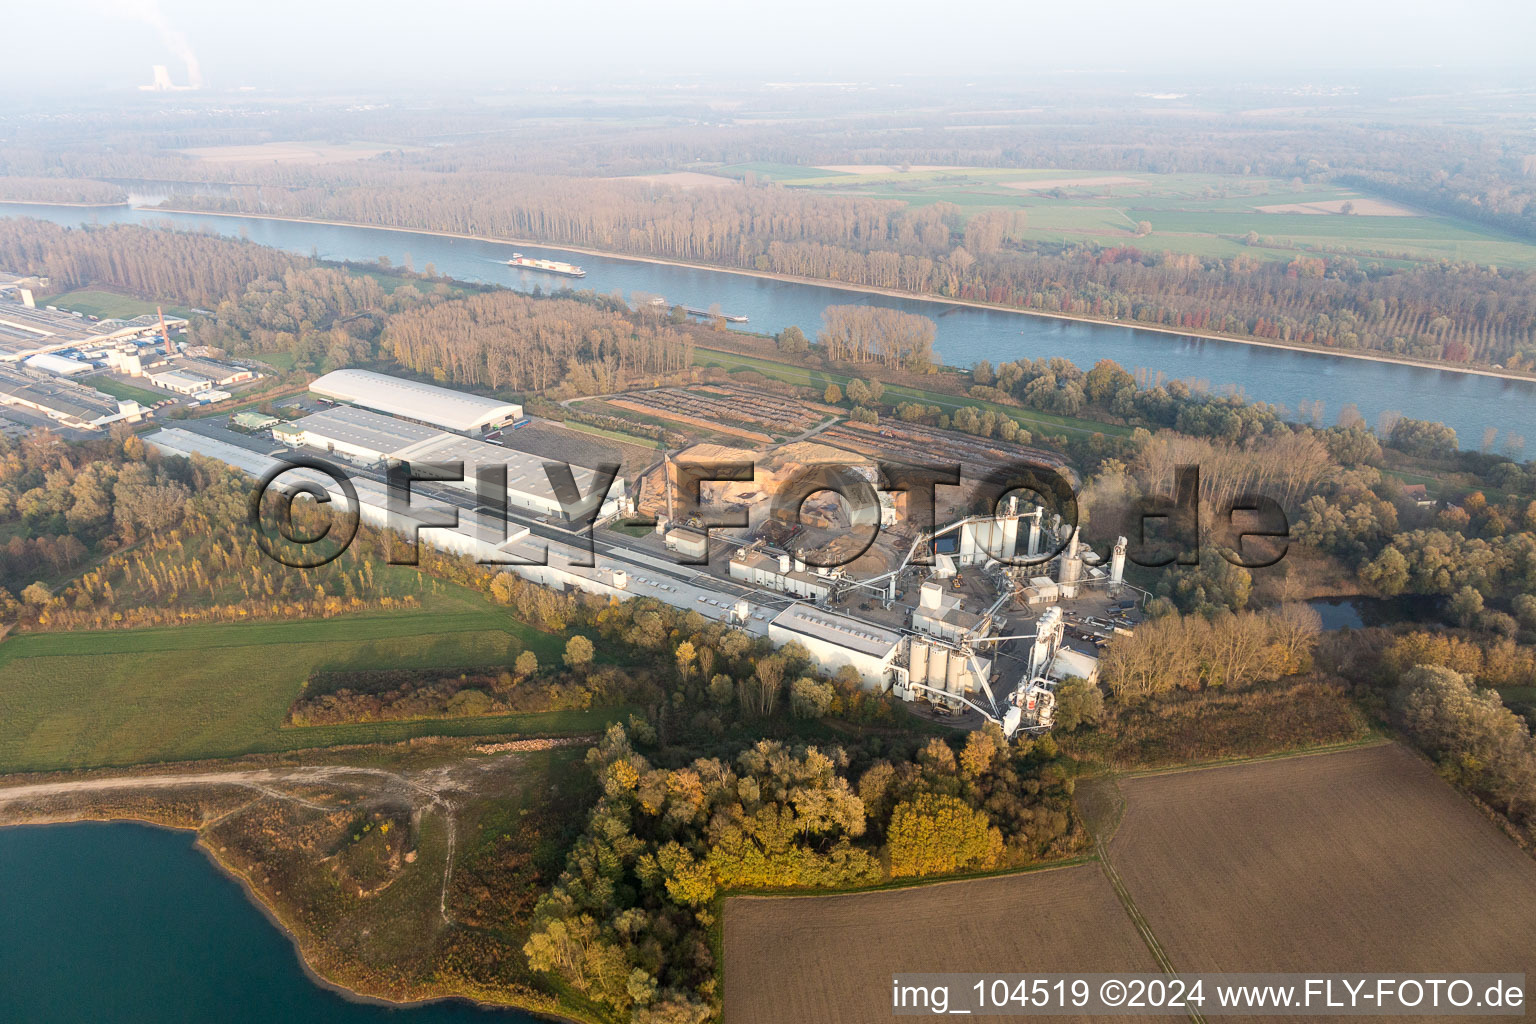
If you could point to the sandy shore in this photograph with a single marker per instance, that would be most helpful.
(896, 293)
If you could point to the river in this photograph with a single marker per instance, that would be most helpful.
(127, 924)
(1471, 403)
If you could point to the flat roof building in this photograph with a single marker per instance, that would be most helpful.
(764, 570)
(940, 614)
(179, 382)
(444, 408)
(70, 404)
(361, 435)
(835, 640)
(528, 484)
(219, 373)
(28, 331)
(61, 365)
(691, 544)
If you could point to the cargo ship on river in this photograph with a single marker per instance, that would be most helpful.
(522, 262)
(727, 317)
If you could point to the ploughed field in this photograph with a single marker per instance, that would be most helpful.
(830, 958)
(1360, 860)
(1357, 860)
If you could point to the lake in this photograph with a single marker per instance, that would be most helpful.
(128, 924)
(1471, 403)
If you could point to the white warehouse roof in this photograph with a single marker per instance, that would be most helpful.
(853, 634)
(58, 364)
(525, 473)
(360, 429)
(425, 403)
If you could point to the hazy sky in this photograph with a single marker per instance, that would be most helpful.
(478, 44)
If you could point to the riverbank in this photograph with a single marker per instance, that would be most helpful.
(895, 293)
(60, 202)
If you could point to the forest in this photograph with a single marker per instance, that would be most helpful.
(506, 341)
(509, 176)
(1453, 312)
(627, 923)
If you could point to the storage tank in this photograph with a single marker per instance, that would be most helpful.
(1117, 566)
(1010, 537)
(917, 662)
(968, 544)
(620, 579)
(1071, 572)
(783, 565)
(1071, 568)
(938, 667)
(955, 676)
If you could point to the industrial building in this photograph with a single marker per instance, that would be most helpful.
(954, 655)
(178, 381)
(26, 331)
(369, 437)
(691, 544)
(759, 568)
(427, 404)
(373, 498)
(253, 421)
(67, 403)
(355, 434)
(220, 374)
(940, 613)
(835, 640)
(551, 563)
(945, 672)
(528, 484)
(63, 366)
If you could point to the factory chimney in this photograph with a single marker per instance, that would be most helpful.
(666, 475)
(165, 333)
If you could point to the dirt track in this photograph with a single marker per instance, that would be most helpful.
(426, 790)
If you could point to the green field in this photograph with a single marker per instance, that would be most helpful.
(95, 302)
(281, 360)
(1036, 422)
(118, 389)
(83, 699)
(1203, 214)
(766, 171)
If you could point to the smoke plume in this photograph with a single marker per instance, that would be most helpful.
(149, 12)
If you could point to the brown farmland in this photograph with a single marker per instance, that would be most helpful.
(1360, 860)
(829, 959)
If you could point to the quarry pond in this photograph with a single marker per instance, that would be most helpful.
(126, 923)
(1471, 403)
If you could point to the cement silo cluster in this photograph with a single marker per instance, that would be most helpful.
(940, 670)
